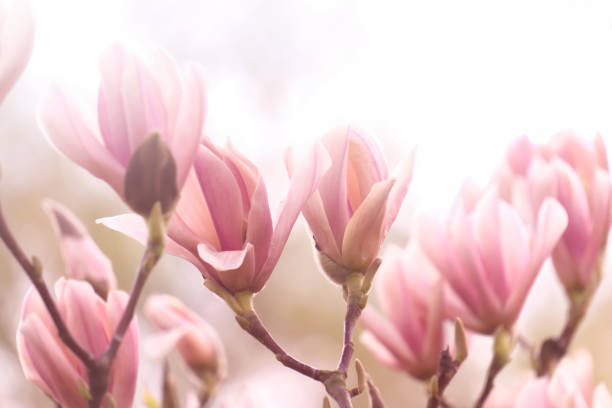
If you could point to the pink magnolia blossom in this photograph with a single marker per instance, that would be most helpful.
(489, 257)
(196, 341)
(135, 99)
(222, 223)
(571, 386)
(16, 42)
(410, 337)
(355, 204)
(84, 260)
(52, 367)
(575, 173)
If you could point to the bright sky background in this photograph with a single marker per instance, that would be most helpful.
(458, 79)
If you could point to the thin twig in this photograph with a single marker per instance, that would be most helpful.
(375, 398)
(353, 310)
(492, 372)
(100, 373)
(35, 275)
(447, 368)
(253, 325)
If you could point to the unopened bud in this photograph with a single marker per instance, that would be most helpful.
(151, 177)
(362, 378)
(503, 343)
(461, 350)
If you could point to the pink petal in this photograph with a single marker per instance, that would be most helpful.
(542, 182)
(579, 368)
(84, 314)
(366, 166)
(534, 394)
(519, 155)
(194, 213)
(223, 197)
(379, 350)
(514, 241)
(50, 362)
(166, 73)
(124, 372)
(572, 196)
(66, 130)
(488, 238)
(111, 114)
(434, 338)
(468, 265)
(84, 260)
(437, 246)
(601, 397)
(143, 104)
(304, 182)
(403, 175)
(363, 235)
(601, 199)
(190, 121)
(404, 311)
(314, 213)
(386, 334)
(134, 227)
(16, 42)
(333, 188)
(159, 345)
(236, 269)
(259, 232)
(552, 221)
(600, 151)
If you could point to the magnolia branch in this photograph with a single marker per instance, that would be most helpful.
(503, 344)
(34, 271)
(553, 349)
(98, 369)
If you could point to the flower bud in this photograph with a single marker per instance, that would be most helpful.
(194, 339)
(48, 363)
(151, 177)
(84, 260)
(355, 203)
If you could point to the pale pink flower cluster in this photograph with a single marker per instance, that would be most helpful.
(570, 386)
(92, 320)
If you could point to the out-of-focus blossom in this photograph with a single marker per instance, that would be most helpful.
(355, 204)
(194, 339)
(84, 260)
(576, 173)
(136, 98)
(16, 42)
(242, 399)
(53, 368)
(571, 385)
(489, 257)
(410, 338)
(222, 223)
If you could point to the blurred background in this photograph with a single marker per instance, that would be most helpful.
(459, 80)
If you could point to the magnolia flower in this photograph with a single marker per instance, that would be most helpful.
(355, 204)
(410, 338)
(490, 258)
(222, 223)
(16, 42)
(196, 341)
(53, 368)
(571, 386)
(136, 99)
(84, 260)
(576, 174)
